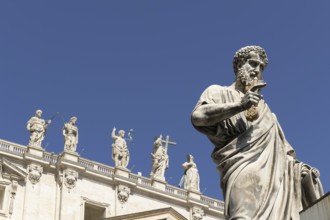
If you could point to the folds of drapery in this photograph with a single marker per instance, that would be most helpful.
(260, 176)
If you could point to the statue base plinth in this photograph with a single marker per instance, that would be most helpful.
(159, 184)
(70, 155)
(193, 194)
(36, 151)
(320, 210)
(122, 171)
(158, 178)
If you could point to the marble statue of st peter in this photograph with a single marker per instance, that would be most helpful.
(261, 177)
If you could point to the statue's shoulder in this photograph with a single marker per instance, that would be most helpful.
(35, 119)
(216, 89)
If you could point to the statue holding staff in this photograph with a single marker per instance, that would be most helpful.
(37, 128)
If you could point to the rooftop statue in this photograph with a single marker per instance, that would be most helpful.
(70, 133)
(159, 158)
(191, 176)
(37, 128)
(120, 153)
(261, 177)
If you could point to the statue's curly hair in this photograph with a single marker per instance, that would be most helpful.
(242, 55)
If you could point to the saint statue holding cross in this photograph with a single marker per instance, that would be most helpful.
(159, 156)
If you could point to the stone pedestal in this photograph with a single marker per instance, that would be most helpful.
(121, 171)
(194, 195)
(320, 210)
(159, 184)
(69, 155)
(39, 152)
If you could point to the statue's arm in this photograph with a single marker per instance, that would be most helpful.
(158, 142)
(77, 137)
(211, 114)
(186, 165)
(113, 134)
(64, 131)
(47, 124)
(208, 114)
(28, 126)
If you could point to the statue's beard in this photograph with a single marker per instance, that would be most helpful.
(244, 79)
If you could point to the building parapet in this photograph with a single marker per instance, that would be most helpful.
(16, 150)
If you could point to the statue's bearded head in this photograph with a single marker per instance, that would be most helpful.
(249, 64)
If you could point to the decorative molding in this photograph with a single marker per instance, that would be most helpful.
(162, 213)
(70, 178)
(13, 169)
(35, 172)
(197, 213)
(123, 193)
(10, 171)
(95, 203)
(106, 206)
(12, 196)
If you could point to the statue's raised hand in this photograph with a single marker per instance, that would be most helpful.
(250, 99)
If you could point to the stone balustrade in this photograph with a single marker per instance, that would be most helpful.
(176, 191)
(212, 202)
(13, 147)
(51, 157)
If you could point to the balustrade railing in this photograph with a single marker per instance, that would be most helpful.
(86, 163)
(133, 177)
(176, 191)
(51, 157)
(146, 181)
(212, 202)
(107, 170)
(9, 146)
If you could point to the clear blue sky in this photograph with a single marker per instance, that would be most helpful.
(144, 64)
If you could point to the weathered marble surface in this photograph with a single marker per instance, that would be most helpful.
(50, 186)
(159, 158)
(70, 133)
(37, 128)
(320, 210)
(260, 174)
(120, 152)
(191, 175)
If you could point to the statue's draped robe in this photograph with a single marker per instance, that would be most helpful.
(260, 177)
(71, 137)
(159, 161)
(191, 177)
(37, 130)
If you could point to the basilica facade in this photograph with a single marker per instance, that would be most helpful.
(38, 185)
